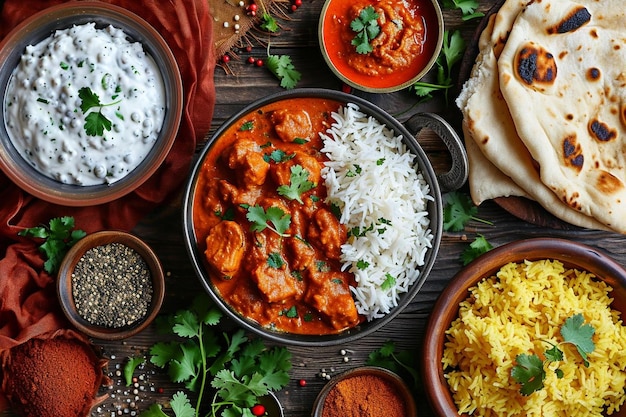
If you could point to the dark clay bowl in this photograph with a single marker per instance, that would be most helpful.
(449, 180)
(40, 26)
(65, 291)
(399, 387)
(571, 254)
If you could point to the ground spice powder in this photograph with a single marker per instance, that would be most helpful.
(364, 396)
(56, 377)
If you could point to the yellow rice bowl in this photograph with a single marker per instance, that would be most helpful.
(516, 311)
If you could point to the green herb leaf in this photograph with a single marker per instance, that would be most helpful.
(298, 184)
(579, 334)
(154, 410)
(283, 69)
(275, 260)
(89, 99)
(529, 373)
(181, 405)
(246, 126)
(467, 7)
(274, 218)
(96, 124)
(400, 362)
(388, 283)
(59, 236)
(269, 23)
(278, 156)
(129, 368)
(479, 246)
(366, 27)
(458, 211)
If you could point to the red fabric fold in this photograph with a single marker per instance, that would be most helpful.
(28, 304)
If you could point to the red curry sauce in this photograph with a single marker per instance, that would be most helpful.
(292, 282)
(406, 43)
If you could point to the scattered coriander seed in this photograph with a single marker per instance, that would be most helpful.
(112, 286)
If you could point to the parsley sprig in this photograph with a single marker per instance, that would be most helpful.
(366, 27)
(451, 53)
(95, 122)
(59, 236)
(240, 370)
(529, 371)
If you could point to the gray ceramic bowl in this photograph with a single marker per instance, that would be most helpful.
(450, 180)
(40, 26)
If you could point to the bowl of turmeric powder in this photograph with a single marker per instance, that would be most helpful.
(374, 390)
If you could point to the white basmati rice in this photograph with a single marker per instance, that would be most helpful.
(373, 178)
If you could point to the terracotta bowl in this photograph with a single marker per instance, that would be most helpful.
(399, 387)
(66, 292)
(571, 254)
(334, 21)
(40, 26)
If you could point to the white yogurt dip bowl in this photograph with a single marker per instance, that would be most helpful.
(91, 103)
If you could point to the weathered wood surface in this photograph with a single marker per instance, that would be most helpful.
(245, 83)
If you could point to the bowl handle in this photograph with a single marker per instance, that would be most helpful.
(458, 173)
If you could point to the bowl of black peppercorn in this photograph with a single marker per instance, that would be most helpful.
(110, 285)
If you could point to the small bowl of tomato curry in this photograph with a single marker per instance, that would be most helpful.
(380, 46)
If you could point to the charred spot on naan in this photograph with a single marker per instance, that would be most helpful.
(535, 66)
(593, 74)
(601, 131)
(574, 20)
(608, 183)
(572, 153)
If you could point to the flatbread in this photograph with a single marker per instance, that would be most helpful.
(489, 128)
(562, 74)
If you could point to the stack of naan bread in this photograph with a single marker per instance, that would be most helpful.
(544, 110)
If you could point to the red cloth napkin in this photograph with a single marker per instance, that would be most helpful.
(28, 303)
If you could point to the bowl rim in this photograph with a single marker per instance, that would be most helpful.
(345, 79)
(64, 283)
(397, 380)
(435, 208)
(570, 253)
(61, 16)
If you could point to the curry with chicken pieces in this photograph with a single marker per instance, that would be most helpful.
(271, 242)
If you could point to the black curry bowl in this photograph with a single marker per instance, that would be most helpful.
(449, 180)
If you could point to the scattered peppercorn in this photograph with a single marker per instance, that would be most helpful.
(112, 286)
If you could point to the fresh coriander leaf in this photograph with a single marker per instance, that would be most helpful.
(96, 124)
(291, 312)
(467, 7)
(278, 156)
(479, 246)
(162, 353)
(275, 260)
(298, 184)
(269, 23)
(388, 283)
(246, 126)
(458, 211)
(554, 354)
(361, 265)
(129, 368)
(283, 69)
(187, 367)
(181, 405)
(89, 99)
(579, 334)
(59, 236)
(366, 27)
(400, 362)
(274, 218)
(529, 373)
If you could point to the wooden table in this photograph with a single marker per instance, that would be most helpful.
(245, 83)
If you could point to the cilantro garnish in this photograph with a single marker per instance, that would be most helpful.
(58, 236)
(95, 122)
(458, 211)
(467, 7)
(240, 370)
(529, 371)
(284, 70)
(298, 184)
(451, 53)
(400, 362)
(129, 368)
(273, 218)
(275, 260)
(479, 246)
(388, 283)
(366, 27)
(249, 125)
(278, 156)
(269, 23)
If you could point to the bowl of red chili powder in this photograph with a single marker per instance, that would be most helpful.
(367, 390)
(380, 46)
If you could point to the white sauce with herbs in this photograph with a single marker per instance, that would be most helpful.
(79, 67)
